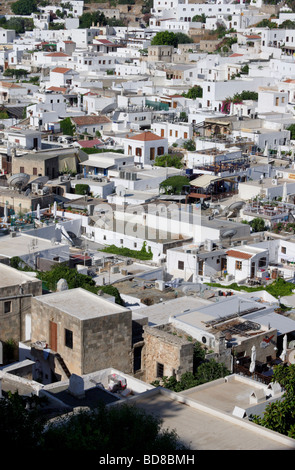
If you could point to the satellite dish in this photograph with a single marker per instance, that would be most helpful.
(19, 180)
(236, 205)
(228, 234)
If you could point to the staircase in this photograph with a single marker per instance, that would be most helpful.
(63, 365)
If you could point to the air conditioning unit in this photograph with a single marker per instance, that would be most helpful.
(274, 182)
(40, 192)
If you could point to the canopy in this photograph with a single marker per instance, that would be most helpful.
(204, 181)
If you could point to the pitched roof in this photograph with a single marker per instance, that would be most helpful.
(57, 54)
(146, 137)
(89, 143)
(57, 88)
(238, 254)
(9, 85)
(236, 55)
(86, 120)
(61, 70)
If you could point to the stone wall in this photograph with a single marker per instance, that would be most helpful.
(168, 347)
(108, 343)
(98, 343)
(15, 304)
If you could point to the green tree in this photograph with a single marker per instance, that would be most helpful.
(292, 131)
(82, 189)
(67, 127)
(279, 415)
(169, 161)
(190, 145)
(74, 280)
(174, 184)
(112, 430)
(258, 224)
(24, 7)
(19, 427)
(168, 38)
(125, 429)
(194, 92)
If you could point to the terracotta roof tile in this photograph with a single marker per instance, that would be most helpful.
(61, 70)
(87, 120)
(146, 136)
(238, 254)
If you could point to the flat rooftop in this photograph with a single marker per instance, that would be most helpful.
(202, 427)
(81, 304)
(160, 313)
(11, 277)
(23, 244)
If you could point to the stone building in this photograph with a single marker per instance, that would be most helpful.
(160, 53)
(17, 290)
(76, 331)
(166, 352)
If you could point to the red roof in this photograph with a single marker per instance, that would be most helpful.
(57, 88)
(57, 54)
(236, 55)
(238, 254)
(105, 41)
(253, 36)
(61, 70)
(146, 137)
(89, 143)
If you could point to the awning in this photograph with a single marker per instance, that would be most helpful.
(204, 181)
(98, 163)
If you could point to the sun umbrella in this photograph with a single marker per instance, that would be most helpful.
(284, 352)
(253, 359)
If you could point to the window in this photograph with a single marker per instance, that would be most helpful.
(239, 265)
(7, 306)
(21, 169)
(34, 171)
(181, 265)
(283, 250)
(160, 369)
(69, 338)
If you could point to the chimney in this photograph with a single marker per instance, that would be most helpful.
(76, 386)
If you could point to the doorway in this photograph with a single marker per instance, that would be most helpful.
(53, 335)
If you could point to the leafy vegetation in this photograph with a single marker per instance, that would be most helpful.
(23, 426)
(20, 25)
(168, 38)
(67, 127)
(174, 184)
(199, 18)
(203, 371)
(189, 145)
(74, 280)
(24, 7)
(266, 24)
(15, 73)
(279, 415)
(82, 189)
(258, 224)
(291, 128)
(169, 161)
(194, 92)
(97, 17)
(142, 254)
(93, 150)
(278, 288)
